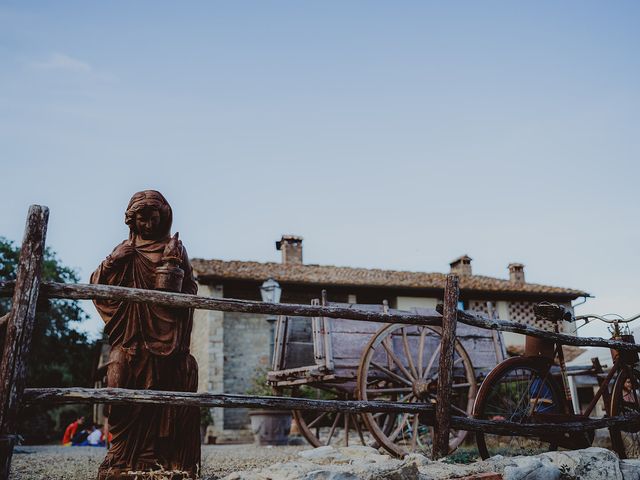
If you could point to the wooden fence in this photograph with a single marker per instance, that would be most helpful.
(20, 321)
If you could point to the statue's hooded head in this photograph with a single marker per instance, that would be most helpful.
(145, 202)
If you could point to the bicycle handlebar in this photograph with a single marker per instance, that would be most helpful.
(620, 319)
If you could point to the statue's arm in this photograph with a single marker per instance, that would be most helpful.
(108, 265)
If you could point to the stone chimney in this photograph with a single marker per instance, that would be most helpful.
(461, 265)
(516, 272)
(291, 247)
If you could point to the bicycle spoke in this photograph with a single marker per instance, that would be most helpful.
(515, 396)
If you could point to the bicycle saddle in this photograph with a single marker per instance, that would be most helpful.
(552, 312)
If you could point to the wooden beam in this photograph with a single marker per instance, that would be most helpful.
(108, 292)
(79, 291)
(128, 396)
(13, 369)
(48, 396)
(469, 318)
(445, 368)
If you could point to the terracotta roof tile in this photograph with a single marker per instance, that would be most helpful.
(328, 275)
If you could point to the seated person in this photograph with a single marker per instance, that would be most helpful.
(95, 437)
(71, 431)
(80, 438)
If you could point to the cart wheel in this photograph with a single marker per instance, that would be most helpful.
(400, 363)
(330, 428)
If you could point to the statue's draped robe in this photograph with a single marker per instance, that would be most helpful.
(149, 350)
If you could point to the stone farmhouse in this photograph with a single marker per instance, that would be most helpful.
(229, 346)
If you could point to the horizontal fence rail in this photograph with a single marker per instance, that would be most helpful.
(426, 411)
(183, 300)
(204, 399)
(514, 327)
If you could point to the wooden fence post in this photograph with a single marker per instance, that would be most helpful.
(13, 369)
(445, 368)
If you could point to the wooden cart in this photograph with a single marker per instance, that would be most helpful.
(331, 358)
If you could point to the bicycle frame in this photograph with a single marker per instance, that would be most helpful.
(603, 389)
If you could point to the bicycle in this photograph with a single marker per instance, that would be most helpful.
(524, 389)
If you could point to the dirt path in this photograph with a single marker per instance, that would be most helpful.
(81, 463)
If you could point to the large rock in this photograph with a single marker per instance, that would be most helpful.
(588, 464)
(347, 463)
(364, 463)
(531, 468)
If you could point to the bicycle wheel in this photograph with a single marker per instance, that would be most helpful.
(624, 401)
(515, 390)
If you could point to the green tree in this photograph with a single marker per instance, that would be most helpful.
(60, 355)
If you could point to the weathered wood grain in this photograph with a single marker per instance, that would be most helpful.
(341, 325)
(127, 396)
(427, 414)
(108, 292)
(445, 368)
(349, 346)
(80, 291)
(469, 318)
(13, 369)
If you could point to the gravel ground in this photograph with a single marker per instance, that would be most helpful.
(81, 463)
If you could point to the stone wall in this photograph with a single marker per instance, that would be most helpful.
(207, 348)
(246, 347)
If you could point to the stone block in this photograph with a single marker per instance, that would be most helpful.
(630, 469)
(483, 476)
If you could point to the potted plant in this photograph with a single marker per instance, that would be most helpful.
(269, 427)
(207, 431)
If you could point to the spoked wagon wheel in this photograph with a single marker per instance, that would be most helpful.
(400, 363)
(337, 429)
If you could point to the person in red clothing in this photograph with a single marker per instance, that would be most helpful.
(71, 430)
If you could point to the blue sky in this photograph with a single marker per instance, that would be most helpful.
(388, 134)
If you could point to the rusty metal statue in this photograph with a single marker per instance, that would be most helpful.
(150, 347)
